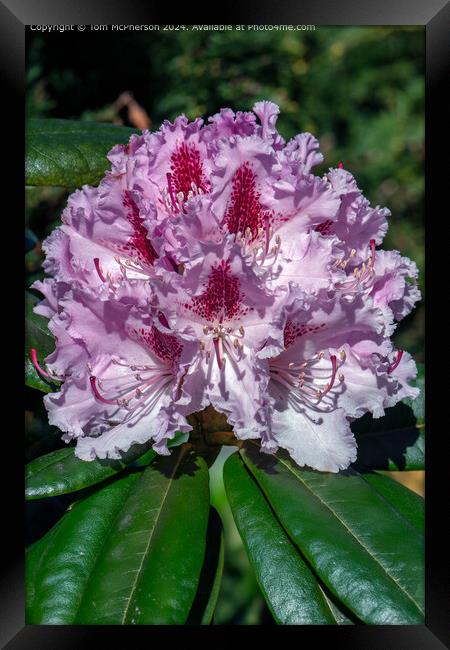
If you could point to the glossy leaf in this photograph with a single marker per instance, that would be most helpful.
(69, 153)
(38, 336)
(397, 440)
(59, 565)
(202, 610)
(366, 552)
(410, 504)
(61, 472)
(339, 616)
(289, 587)
(131, 553)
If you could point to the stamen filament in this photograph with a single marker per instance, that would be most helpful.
(218, 346)
(396, 362)
(98, 269)
(100, 398)
(40, 370)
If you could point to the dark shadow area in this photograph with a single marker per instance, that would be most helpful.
(263, 461)
(187, 465)
(42, 514)
(40, 437)
(214, 540)
(386, 440)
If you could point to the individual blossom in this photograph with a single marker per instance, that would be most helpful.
(333, 367)
(220, 301)
(98, 242)
(122, 375)
(356, 223)
(387, 277)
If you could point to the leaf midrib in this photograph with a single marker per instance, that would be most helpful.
(355, 536)
(352, 534)
(388, 503)
(105, 538)
(151, 535)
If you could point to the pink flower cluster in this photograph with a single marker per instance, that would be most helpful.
(211, 266)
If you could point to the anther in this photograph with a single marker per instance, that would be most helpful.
(218, 346)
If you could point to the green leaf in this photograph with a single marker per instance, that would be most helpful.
(131, 553)
(339, 616)
(59, 565)
(289, 587)
(202, 610)
(367, 552)
(38, 336)
(397, 440)
(61, 472)
(410, 504)
(69, 153)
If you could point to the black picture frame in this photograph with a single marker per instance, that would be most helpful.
(434, 15)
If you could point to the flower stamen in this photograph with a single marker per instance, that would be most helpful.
(41, 371)
(98, 269)
(396, 362)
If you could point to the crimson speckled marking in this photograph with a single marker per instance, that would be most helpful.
(222, 297)
(244, 209)
(186, 168)
(294, 330)
(165, 346)
(139, 243)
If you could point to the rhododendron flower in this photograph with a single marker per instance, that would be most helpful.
(120, 371)
(212, 266)
(333, 367)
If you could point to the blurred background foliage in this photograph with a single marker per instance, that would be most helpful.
(359, 90)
